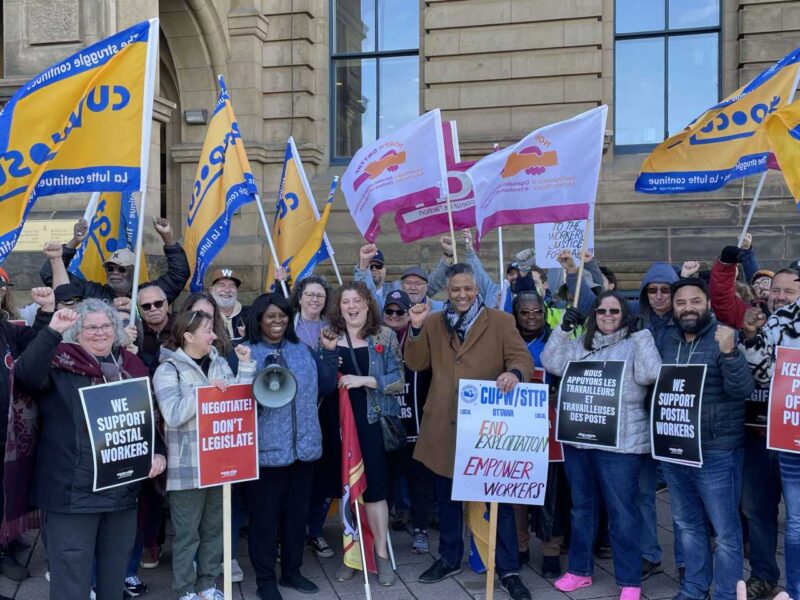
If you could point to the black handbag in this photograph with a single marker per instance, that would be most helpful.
(393, 432)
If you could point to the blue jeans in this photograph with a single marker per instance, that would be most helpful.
(761, 494)
(614, 476)
(451, 531)
(713, 491)
(790, 476)
(646, 500)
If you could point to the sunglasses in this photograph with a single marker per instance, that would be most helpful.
(664, 290)
(607, 311)
(148, 305)
(375, 267)
(536, 312)
(70, 302)
(393, 313)
(112, 268)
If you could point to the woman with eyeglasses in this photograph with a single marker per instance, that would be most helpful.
(289, 444)
(190, 360)
(80, 348)
(611, 473)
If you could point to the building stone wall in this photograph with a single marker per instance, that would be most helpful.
(499, 67)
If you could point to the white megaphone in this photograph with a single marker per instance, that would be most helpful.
(274, 386)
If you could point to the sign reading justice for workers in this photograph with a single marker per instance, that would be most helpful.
(783, 426)
(227, 435)
(588, 403)
(119, 417)
(501, 443)
(675, 414)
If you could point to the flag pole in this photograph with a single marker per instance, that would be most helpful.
(367, 590)
(334, 184)
(270, 242)
(500, 251)
(91, 208)
(227, 551)
(446, 193)
(580, 269)
(492, 544)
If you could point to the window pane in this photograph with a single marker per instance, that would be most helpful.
(693, 77)
(684, 14)
(355, 25)
(355, 85)
(398, 24)
(399, 92)
(639, 94)
(639, 15)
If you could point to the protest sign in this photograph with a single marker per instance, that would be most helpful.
(501, 443)
(755, 407)
(556, 449)
(675, 414)
(119, 417)
(552, 238)
(409, 408)
(227, 435)
(588, 403)
(783, 426)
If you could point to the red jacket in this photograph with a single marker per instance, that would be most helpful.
(728, 307)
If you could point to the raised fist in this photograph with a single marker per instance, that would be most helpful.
(567, 261)
(242, 353)
(63, 319)
(418, 313)
(726, 338)
(52, 250)
(44, 297)
(365, 254)
(328, 339)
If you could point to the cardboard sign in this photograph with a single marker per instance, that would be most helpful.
(227, 435)
(551, 238)
(755, 407)
(501, 443)
(588, 403)
(783, 427)
(675, 412)
(119, 417)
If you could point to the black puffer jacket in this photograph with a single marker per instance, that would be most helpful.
(13, 340)
(64, 471)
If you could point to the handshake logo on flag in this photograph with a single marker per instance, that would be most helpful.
(390, 161)
(531, 159)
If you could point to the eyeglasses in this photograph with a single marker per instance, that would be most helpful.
(393, 313)
(313, 296)
(95, 329)
(664, 290)
(375, 267)
(112, 268)
(607, 311)
(148, 305)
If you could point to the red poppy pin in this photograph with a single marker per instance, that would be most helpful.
(378, 348)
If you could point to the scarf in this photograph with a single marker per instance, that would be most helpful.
(463, 322)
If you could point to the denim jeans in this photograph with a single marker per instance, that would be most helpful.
(790, 476)
(614, 476)
(712, 491)
(646, 500)
(451, 531)
(761, 494)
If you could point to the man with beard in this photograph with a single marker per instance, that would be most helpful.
(712, 491)
(414, 282)
(119, 267)
(464, 341)
(225, 290)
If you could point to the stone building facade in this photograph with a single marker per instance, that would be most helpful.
(500, 68)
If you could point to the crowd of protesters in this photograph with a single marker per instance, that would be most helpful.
(399, 353)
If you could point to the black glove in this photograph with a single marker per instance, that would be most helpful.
(730, 255)
(572, 318)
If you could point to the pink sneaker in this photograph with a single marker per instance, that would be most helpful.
(630, 593)
(570, 583)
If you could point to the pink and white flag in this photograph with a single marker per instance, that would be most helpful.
(424, 218)
(549, 176)
(395, 172)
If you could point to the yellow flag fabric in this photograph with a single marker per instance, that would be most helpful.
(295, 221)
(114, 225)
(223, 183)
(78, 126)
(478, 522)
(783, 132)
(726, 142)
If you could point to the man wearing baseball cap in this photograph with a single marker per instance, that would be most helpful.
(371, 270)
(225, 289)
(119, 266)
(414, 282)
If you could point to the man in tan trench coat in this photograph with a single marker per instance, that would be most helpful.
(465, 340)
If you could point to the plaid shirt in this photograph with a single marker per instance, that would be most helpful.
(174, 382)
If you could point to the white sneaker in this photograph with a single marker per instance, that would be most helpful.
(47, 575)
(237, 574)
(189, 596)
(92, 595)
(211, 594)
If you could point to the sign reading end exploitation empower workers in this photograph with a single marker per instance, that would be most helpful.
(501, 443)
(119, 417)
(227, 435)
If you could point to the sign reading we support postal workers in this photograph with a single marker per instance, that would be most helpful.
(783, 426)
(675, 414)
(119, 417)
(227, 435)
(501, 443)
(588, 403)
